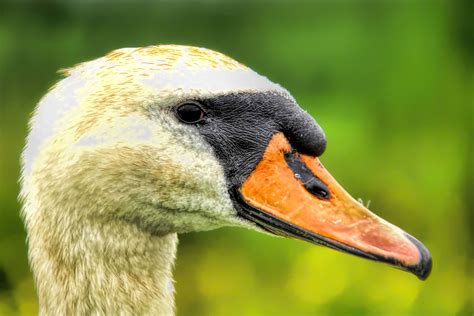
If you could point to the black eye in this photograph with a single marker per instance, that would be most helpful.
(190, 113)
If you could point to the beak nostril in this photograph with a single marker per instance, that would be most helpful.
(317, 188)
(311, 182)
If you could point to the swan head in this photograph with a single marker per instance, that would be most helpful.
(178, 139)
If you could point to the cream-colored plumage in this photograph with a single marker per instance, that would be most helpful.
(110, 177)
(133, 148)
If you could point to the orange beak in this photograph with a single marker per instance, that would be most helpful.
(292, 194)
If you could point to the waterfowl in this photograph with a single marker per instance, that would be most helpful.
(135, 147)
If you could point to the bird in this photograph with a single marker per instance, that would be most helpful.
(129, 150)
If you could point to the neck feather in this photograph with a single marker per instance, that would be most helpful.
(92, 266)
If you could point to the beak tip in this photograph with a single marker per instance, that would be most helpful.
(423, 269)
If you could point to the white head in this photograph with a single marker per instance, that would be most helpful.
(105, 134)
(112, 142)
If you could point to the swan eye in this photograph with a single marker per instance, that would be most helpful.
(190, 113)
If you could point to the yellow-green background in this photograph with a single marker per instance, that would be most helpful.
(391, 82)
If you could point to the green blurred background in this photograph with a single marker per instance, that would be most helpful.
(390, 82)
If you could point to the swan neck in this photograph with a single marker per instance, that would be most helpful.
(101, 267)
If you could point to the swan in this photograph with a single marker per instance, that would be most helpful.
(131, 149)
